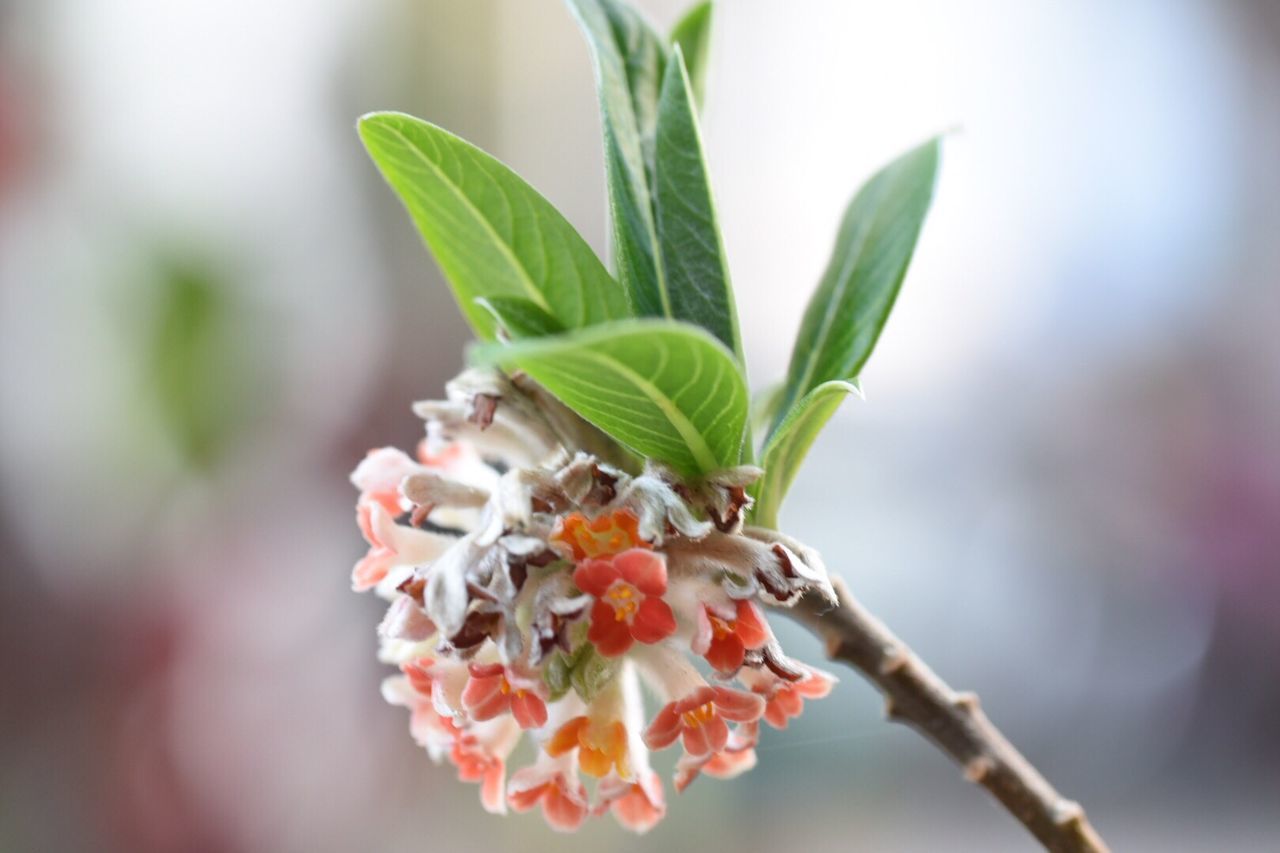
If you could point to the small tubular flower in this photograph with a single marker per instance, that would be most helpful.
(494, 689)
(784, 700)
(604, 536)
(628, 605)
(553, 785)
(724, 639)
(637, 805)
(601, 745)
(737, 757)
(390, 545)
(701, 719)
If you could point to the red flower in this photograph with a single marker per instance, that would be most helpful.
(629, 608)
(638, 805)
(477, 765)
(564, 801)
(492, 690)
(700, 719)
(785, 699)
(724, 641)
(738, 756)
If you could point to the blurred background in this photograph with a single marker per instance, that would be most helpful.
(1063, 487)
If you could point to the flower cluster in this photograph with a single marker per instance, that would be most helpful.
(538, 576)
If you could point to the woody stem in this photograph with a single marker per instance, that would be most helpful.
(953, 721)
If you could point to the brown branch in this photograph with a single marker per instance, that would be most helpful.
(914, 695)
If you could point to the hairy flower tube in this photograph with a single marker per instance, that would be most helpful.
(535, 588)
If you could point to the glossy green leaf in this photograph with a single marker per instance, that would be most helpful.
(790, 442)
(493, 235)
(693, 34)
(873, 249)
(629, 59)
(692, 253)
(666, 391)
(520, 318)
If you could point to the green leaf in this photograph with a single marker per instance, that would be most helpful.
(693, 34)
(692, 253)
(665, 390)
(493, 234)
(790, 442)
(764, 405)
(873, 249)
(629, 60)
(520, 317)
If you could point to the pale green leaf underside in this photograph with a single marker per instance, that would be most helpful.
(786, 449)
(629, 60)
(873, 249)
(666, 391)
(493, 235)
(693, 34)
(692, 252)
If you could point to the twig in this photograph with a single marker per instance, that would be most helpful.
(914, 695)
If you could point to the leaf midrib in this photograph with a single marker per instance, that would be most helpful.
(522, 274)
(639, 183)
(692, 437)
(842, 285)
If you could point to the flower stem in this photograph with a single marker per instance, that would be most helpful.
(914, 695)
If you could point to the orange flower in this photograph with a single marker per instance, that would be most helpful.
(602, 536)
(600, 745)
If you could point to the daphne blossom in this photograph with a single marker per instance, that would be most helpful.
(536, 579)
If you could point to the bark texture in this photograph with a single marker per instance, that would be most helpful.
(953, 720)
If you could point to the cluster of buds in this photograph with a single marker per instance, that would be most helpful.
(538, 576)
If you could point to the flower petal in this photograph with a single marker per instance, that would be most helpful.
(528, 709)
(523, 800)
(664, 729)
(636, 811)
(610, 635)
(644, 569)
(594, 762)
(726, 653)
(564, 810)
(654, 621)
(492, 788)
(738, 705)
(594, 576)
(483, 697)
(751, 627)
(566, 737)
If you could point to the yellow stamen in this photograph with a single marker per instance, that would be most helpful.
(720, 627)
(622, 597)
(699, 715)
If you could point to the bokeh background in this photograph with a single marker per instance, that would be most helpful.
(1063, 487)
